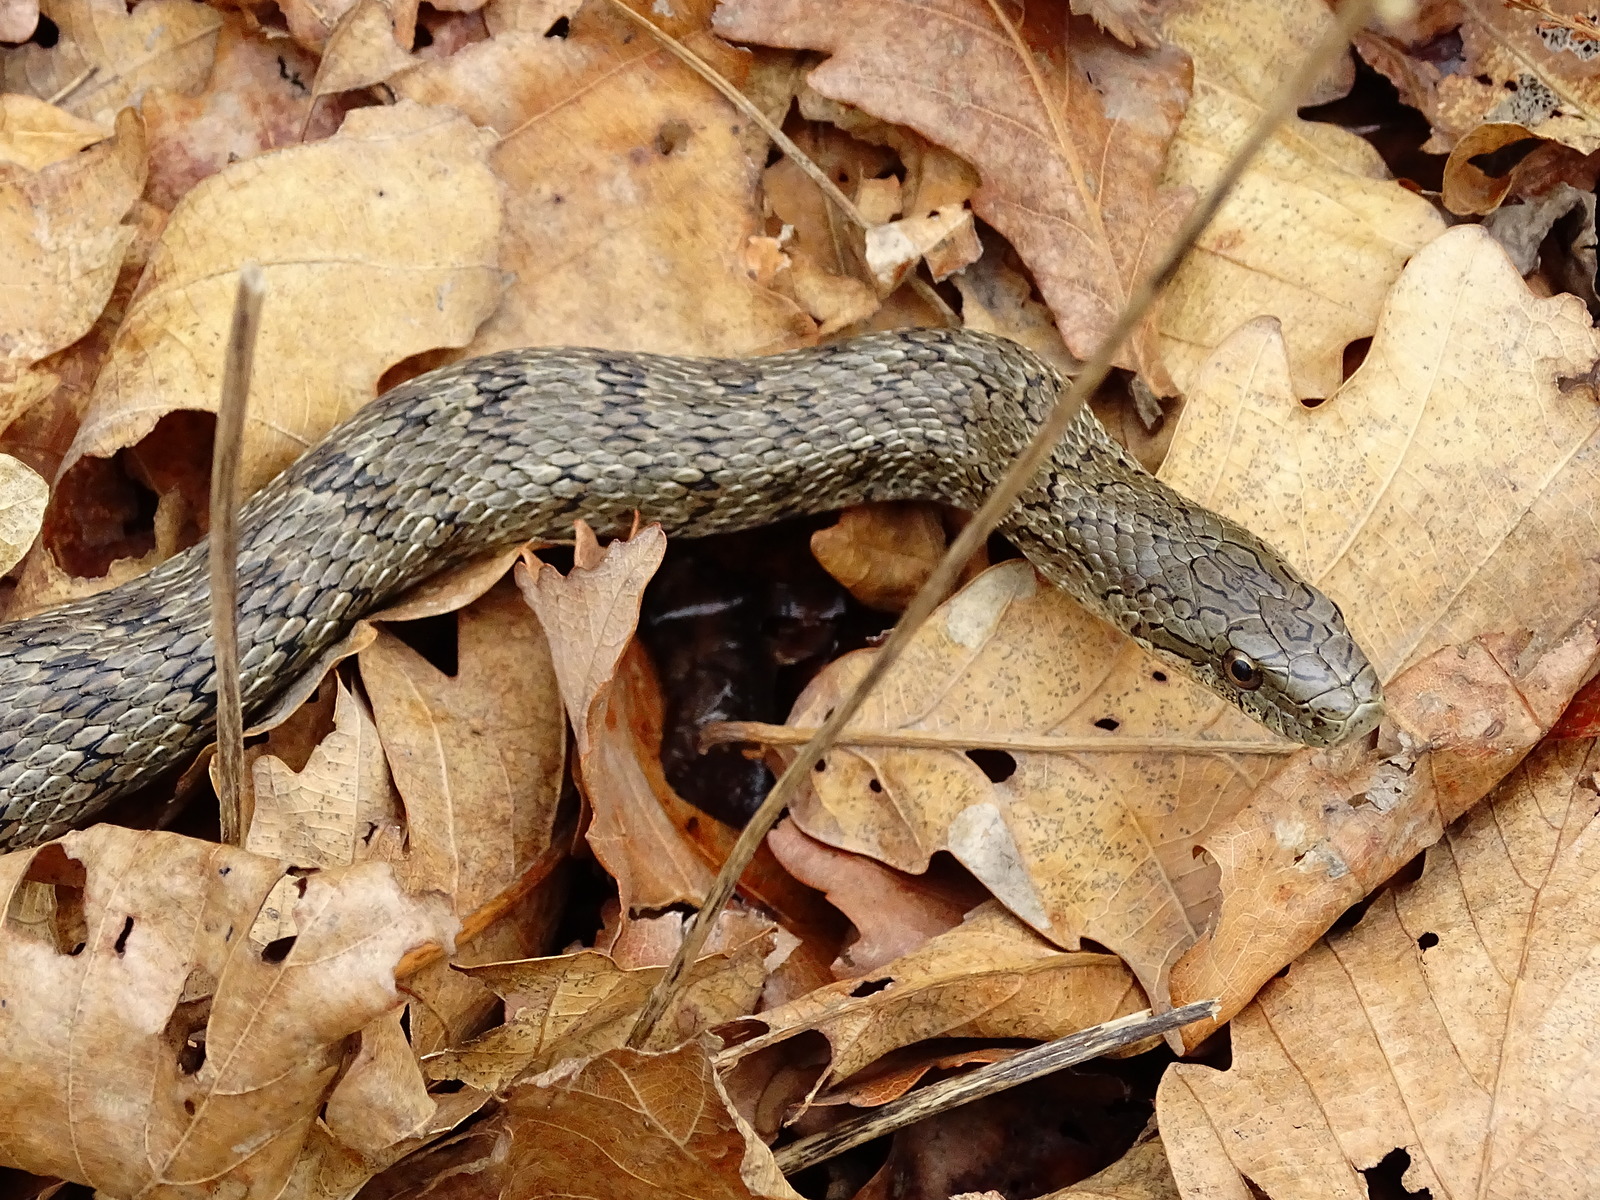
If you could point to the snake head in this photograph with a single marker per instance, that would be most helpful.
(1279, 648)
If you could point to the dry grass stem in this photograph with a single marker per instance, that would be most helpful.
(1022, 1067)
(223, 552)
(720, 733)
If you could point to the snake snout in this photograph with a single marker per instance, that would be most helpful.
(1321, 686)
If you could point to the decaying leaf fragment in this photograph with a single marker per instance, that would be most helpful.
(1457, 1022)
(629, 1123)
(151, 1038)
(1069, 167)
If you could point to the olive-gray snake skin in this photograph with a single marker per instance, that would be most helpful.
(101, 696)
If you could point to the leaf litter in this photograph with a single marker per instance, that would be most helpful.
(422, 969)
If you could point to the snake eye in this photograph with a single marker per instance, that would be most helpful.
(1242, 670)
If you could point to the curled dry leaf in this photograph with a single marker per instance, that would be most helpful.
(578, 1005)
(639, 828)
(377, 244)
(62, 238)
(364, 48)
(882, 552)
(1457, 1021)
(894, 913)
(1019, 105)
(1314, 233)
(990, 977)
(109, 54)
(629, 193)
(478, 755)
(151, 1041)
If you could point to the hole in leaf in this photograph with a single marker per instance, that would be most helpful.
(1355, 353)
(1428, 941)
(1159, 676)
(1386, 1181)
(46, 33)
(672, 137)
(998, 765)
(875, 786)
(560, 29)
(278, 949)
(822, 765)
(122, 938)
(1109, 724)
(868, 986)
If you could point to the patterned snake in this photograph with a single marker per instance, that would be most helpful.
(101, 696)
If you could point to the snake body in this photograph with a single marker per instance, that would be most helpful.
(103, 695)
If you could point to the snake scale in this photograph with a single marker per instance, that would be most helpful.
(101, 696)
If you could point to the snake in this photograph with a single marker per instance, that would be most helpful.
(107, 694)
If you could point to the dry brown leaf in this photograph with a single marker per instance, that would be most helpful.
(578, 1005)
(1444, 492)
(171, 1046)
(990, 977)
(478, 756)
(1069, 166)
(109, 54)
(34, 134)
(1079, 846)
(378, 243)
(882, 552)
(1512, 66)
(63, 239)
(340, 808)
(894, 913)
(638, 830)
(257, 99)
(1457, 1022)
(630, 1123)
(364, 48)
(381, 1098)
(629, 193)
(1315, 231)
